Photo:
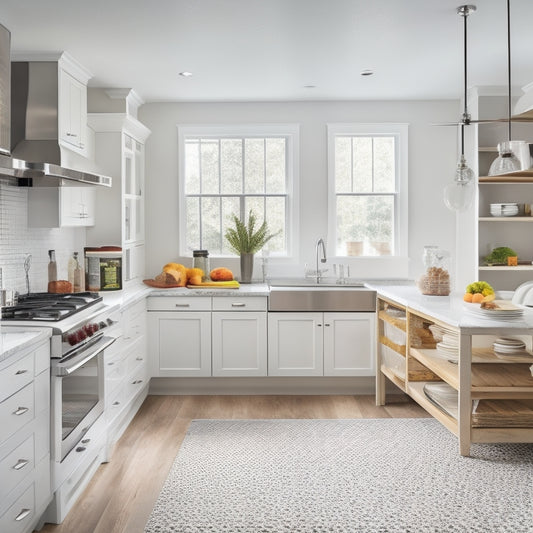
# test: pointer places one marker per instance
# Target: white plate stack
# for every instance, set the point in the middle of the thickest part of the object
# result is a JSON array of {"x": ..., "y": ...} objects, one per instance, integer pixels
[
  {"x": 509, "y": 346},
  {"x": 504, "y": 210},
  {"x": 449, "y": 346}
]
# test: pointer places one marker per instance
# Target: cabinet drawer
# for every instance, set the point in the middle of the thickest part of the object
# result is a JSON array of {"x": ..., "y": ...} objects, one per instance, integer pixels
[
  {"x": 16, "y": 376},
  {"x": 134, "y": 327},
  {"x": 136, "y": 355},
  {"x": 20, "y": 515},
  {"x": 135, "y": 383},
  {"x": 42, "y": 358},
  {"x": 16, "y": 411},
  {"x": 249, "y": 303},
  {"x": 15, "y": 466},
  {"x": 179, "y": 303},
  {"x": 134, "y": 310}
]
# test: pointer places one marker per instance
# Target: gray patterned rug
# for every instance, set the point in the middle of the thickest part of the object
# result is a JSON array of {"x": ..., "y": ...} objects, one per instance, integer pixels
[{"x": 331, "y": 476}]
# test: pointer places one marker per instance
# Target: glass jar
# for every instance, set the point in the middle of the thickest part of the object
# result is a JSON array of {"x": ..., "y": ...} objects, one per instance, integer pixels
[
  {"x": 436, "y": 281},
  {"x": 200, "y": 259}
]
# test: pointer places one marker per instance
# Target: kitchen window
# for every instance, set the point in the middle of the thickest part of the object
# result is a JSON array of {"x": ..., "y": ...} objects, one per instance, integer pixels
[
  {"x": 227, "y": 170},
  {"x": 367, "y": 175}
]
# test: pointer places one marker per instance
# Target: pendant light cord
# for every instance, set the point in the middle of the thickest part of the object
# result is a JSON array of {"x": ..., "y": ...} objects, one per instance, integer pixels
[
  {"x": 509, "y": 66},
  {"x": 465, "y": 73}
]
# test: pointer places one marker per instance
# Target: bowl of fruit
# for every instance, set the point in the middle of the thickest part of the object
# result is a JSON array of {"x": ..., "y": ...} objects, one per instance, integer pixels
[{"x": 478, "y": 292}]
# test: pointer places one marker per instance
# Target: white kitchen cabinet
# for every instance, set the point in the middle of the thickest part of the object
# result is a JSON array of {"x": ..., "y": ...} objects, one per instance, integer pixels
[
  {"x": 57, "y": 207},
  {"x": 72, "y": 111},
  {"x": 240, "y": 343},
  {"x": 180, "y": 343},
  {"x": 295, "y": 344},
  {"x": 119, "y": 146},
  {"x": 25, "y": 491},
  {"x": 349, "y": 344},
  {"x": 321, "y": 344}
]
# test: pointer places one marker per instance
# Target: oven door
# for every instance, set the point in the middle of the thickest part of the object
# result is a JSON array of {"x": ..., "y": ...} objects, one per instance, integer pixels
[{"x": 77, "y": 395}]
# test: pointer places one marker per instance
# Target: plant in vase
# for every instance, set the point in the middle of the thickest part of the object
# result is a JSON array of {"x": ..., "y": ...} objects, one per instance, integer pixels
[{"x": 246, "y": 239}]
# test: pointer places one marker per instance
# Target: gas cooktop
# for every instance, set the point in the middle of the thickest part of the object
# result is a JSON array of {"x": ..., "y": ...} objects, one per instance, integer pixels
[{"x": 49, "y": 307}]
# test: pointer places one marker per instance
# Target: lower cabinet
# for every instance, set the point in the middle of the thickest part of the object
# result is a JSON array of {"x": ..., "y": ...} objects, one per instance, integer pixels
[
  {"x": 239, "y": 343},
  {"x": 321, "y": 344}
]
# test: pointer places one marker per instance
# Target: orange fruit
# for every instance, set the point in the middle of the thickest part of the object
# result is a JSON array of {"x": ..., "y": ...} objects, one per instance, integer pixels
[
  {"x": 468, "y": 297},
  {"x": 477, "y": 298}
]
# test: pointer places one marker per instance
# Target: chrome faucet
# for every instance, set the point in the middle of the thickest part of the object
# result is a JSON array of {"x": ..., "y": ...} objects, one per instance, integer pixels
[{"x": 319, "y": 243}]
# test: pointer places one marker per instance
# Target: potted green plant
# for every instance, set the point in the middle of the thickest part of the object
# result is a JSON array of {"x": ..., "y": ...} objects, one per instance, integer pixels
[{"x": 246, "y": 239}]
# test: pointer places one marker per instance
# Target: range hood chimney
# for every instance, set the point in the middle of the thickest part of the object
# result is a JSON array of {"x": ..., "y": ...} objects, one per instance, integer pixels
[{"x": 30, "y": 149}]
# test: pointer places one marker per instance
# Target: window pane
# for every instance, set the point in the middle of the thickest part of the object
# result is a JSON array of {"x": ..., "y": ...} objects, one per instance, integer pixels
[
  {"x": 367, "y": 219},
  {"x": 211, "y": 235},
  {"x": 231, "y": 166},
  {"x": 193, "y": 223},
  {"x": 209, "y": 161},
  {"x": 362, "y": 164},
  {"x": 254, "y": 165},
  {"x": 275, "y": 208},
  {"x": 192, "y": 167},
  {"x": 230, "y": 206},
  {"x": 343, "y": 164},
  {"x": 258, "y": 207},
  {"x": 275, "y": 166},
  {"x": 384, "y": 164}
]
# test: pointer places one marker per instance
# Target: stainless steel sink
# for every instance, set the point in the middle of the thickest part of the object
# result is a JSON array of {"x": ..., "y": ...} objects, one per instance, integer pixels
[{"x": 321, "y": 298}]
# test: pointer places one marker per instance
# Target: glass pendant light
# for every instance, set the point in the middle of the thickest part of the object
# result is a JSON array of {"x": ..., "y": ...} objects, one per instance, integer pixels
[
  {"x": 459, "y": 194},
  {"x": 506, "y": 161}
]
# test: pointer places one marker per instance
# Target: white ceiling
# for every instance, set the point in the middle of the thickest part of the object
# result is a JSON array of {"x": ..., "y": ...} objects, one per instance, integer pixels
[{"x": 257, "y": 50}]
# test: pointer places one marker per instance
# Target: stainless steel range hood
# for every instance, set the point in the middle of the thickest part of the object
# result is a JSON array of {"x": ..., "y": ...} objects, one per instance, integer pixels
[{"x": 30, "y": 150}]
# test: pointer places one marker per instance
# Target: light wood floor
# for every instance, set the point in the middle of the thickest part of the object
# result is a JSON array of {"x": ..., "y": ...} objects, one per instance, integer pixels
[{"x": 121, "y": 495}]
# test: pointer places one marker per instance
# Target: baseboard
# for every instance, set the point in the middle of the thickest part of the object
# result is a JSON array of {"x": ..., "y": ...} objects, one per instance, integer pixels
[{"x": 263, "y": 385}]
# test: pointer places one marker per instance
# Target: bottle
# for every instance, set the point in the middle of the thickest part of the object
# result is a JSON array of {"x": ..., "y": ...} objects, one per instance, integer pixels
[
  {"x": 79, "y": 285},
  {"x": 74, "y": 272},
  {"x": 52, "y": 266}
]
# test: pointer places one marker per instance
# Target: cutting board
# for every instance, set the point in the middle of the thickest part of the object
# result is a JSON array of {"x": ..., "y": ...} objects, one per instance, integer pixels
[
  {"x": 154, "y": 283},
  {"x": 216, "y": 285}
]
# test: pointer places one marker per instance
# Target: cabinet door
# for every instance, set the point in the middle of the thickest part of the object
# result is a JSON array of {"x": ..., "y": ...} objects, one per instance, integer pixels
[
  {"x": 72, "y": 112},
  {"x": 295, "y": 344},
  {"x": 77, "y": 206},
  {"x": 181, "y": 343},
  {"x": 349, "y": 344},
  {"x": 239, "y": 344}
]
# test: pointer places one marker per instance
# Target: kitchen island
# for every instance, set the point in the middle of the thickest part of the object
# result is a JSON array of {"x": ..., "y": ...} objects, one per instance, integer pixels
[{"x": 494, "y": 392}]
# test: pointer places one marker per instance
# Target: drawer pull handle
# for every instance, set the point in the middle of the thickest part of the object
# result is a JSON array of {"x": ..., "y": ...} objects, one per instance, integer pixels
[
  {"x": 183, "y": 305},
  {"x": 137, "y": 381},
  {"x": 86, "y": 441},
  {"x": 319, "y": 325},
  {"x": 327, "y": 325},
  {"x": 116, "y": 403},
  {"x": 238, "y": 304},
  {"x": 22, "y": 515},
  {"x": 111, "y": 364},
  {"x": 19, "y": 372},
  {"x": 139, "y": 359},
  {"x": 21, "y": 463},
  {"x": 81, "y": 448},
  {"x": 21, "y": 411}
]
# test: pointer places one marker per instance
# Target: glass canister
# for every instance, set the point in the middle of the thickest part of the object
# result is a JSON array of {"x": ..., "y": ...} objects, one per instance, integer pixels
[
  {"x": 436, "y": 281},
  {"x": 200, "y": 259}
]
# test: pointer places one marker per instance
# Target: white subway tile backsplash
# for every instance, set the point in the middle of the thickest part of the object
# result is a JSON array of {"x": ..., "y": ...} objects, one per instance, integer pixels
[{"x": 17, "y": 241}]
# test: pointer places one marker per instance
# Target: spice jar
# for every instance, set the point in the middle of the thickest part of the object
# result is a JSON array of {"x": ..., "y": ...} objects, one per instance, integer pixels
[
  {"x": 436, "y": 280},
  {"x": 200, "y": 259}
]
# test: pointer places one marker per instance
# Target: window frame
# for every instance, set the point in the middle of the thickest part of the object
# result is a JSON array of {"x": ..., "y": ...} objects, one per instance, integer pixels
[
  {"x": 400, "y": 133},
  {"x": 218, "y": 131}
]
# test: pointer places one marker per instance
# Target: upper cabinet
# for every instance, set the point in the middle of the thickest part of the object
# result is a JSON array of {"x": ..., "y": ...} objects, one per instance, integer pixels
[
  {"x": 119, "y": 148},
  {"x": 72, "y": 109}
]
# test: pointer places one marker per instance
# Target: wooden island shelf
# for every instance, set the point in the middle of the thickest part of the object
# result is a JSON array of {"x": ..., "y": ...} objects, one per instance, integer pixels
[{"x": 494, "y": 392}]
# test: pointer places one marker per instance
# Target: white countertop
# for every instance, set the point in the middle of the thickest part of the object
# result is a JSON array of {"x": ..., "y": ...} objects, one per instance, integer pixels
[
  {"x": 15, "y": 339},
  {"x": 245, "y": 289},
  {"x": 449, "y": 309}
]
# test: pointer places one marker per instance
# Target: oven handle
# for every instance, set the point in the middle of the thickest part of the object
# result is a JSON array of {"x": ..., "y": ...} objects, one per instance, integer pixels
[{"x": 66, "y": 368}]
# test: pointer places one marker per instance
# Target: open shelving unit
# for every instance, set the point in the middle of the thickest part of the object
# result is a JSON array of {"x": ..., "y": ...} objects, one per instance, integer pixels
[{"x": 491, "y": 388}]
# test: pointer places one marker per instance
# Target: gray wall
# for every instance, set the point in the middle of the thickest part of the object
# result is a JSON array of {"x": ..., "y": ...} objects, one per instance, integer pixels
[{"x": 432, "y": 160}]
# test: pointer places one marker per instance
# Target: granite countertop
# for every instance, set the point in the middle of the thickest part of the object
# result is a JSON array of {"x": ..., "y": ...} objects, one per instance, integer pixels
[{"x": 16, "y": 339}]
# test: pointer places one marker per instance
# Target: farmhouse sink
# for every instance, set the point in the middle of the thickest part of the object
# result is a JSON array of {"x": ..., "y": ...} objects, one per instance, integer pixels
[
  {"x": 311, "y": 282},
  {"x": 321, "y": 297}
]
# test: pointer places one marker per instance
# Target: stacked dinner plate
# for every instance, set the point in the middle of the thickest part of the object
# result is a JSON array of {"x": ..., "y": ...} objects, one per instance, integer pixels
[
  {"x": 509, "y": 346},
  {"x": 448, "y": 347},
  {"x": 504, "y": 210},
  {"x": 503, "y": 310}
]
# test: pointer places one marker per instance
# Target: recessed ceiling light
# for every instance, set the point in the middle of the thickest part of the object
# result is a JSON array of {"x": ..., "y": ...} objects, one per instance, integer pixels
[
  {"x": 185, "y": 74},
  {"x": 309, "y": 86},
  {"x": 367, "y": 72}
]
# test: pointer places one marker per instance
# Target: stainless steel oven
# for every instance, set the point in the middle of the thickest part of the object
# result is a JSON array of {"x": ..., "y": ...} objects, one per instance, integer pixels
[{"x": 77, "y": 394}]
